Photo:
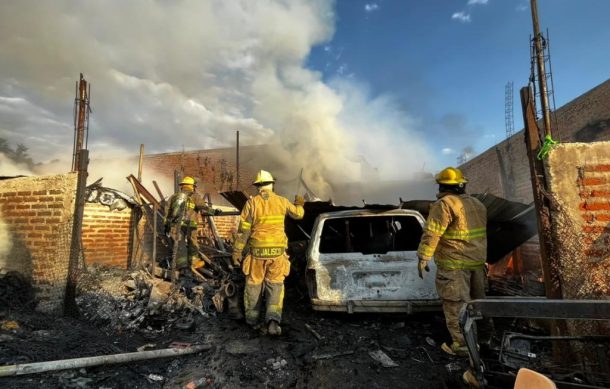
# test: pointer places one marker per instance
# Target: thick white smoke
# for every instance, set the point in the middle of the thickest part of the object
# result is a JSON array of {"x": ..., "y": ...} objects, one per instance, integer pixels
[{"x": 189, "y": 74}]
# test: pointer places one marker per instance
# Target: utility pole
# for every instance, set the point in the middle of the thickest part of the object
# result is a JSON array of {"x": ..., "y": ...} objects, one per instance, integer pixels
[
  {"x": 81, "y": 121},
  {"x": 550, "y": 265},
  {"x": 544, "y": 96}
]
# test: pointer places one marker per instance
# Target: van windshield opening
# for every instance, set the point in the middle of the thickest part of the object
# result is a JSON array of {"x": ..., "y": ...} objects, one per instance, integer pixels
[{"x": 370, "y": 234}]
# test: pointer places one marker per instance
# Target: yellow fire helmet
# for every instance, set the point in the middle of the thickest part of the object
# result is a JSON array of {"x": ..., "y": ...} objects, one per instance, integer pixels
[
  {"x": 263, "y": 177},
  {"x": 450, "y": 176},
  {"x": 188, "y": 181}
]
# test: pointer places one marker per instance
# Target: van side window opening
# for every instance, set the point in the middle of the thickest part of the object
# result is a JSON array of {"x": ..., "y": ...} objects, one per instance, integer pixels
[{"x": 370, "y": 234}]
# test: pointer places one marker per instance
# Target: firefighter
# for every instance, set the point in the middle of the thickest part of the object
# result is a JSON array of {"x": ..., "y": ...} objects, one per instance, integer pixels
[
  {"x": 455, "y": 234},
  {"x": 262, "y": 238},
  {"x": 181, "y": 222}
]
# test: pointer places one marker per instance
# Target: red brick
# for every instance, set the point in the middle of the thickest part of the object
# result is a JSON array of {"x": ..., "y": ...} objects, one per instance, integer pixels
[
  {"x": 23, "y": 206},
  {"x": 55, "y": 205},
  {"x": 42, "y": 228},
  {"x": 52, "y": 220},
  {"x": 6, "y": 207},
  {"x": 592, "y": 181},
  {"x": 44, "y": 213},
  {"x": 591, "y": 206},
  {"x": 46, "y": 198},
  {"x": 595, "y": 229},
  {"x": 597, "y": 168},
  {"x": 55, "y": 191},
  {"x": 9, "y": 194},
  {"x": 603, "y": 218},
  {"x": 24, "y": 193},
  {"x": 40, "y": 192}
]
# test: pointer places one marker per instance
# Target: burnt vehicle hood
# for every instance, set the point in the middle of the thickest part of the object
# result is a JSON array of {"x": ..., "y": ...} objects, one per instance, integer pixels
[{"x": 509, "y": 223}]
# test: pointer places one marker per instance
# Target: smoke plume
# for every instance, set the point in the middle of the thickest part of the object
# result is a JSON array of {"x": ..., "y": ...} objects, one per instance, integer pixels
[{"x": 189, "y": 74}]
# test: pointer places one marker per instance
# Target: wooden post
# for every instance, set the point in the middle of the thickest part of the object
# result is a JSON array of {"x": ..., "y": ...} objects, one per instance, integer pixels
[
  {"x": 140, "y": 162},
  {"x": 550, "y": 266},
  {"x": 237, "y": 163},
  {"x": 161, "y": 197},
  {"x": 154, "y": 242},
  {"x": 70, "y": 307}
]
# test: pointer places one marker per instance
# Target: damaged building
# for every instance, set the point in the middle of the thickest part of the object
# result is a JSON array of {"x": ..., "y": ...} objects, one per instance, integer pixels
[{"x": 122, "y": 286}]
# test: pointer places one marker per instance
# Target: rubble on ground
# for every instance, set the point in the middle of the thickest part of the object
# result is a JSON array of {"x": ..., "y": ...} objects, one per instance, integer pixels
[{"x": 124, "y": 300}]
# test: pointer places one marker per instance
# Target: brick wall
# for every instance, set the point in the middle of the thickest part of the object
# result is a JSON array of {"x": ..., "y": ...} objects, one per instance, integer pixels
[
  {"x": 106, "y": 235},
  {"x": 37, "y": 213}
]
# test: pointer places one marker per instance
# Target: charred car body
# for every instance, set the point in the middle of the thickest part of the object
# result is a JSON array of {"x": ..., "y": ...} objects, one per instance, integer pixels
[{"x": 363, "y": 259}]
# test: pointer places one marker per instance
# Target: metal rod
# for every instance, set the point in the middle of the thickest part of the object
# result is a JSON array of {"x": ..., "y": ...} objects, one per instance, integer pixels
[
  {"x": 77, "y": 363},
  {"x": 544, "y": 97}
]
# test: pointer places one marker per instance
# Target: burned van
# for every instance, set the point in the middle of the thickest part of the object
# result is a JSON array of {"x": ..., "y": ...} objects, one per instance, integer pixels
[{"x": 365, "y": 261}]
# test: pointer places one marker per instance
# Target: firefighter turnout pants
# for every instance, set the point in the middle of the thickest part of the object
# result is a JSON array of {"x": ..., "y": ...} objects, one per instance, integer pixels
[
  {"x": 455, "y": 288},
  {"x": 264, "y": 276},
  {"x": 188, "y": 247}
]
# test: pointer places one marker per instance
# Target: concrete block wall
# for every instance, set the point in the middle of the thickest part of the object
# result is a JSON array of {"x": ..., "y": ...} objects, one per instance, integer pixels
[
  {"x": 106, "y": 235},
  {"x": 37, "y": 214}
]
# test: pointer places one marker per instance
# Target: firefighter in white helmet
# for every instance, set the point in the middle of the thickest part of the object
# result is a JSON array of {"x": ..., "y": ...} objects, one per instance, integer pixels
[
  {"x": 181, "y": 222},
  {"x": 455, "y": 234},
  {"x": 262, "y": 238}
]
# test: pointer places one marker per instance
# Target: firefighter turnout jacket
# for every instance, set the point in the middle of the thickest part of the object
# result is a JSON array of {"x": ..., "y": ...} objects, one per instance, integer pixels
[
  {"x": 455, "y": 233},
  {"x": 261, "y": 225},
  {"x": 184, "y": 206}
]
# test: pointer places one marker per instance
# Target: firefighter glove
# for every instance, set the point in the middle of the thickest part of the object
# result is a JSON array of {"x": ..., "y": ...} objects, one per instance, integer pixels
[
  {"x": 217, "y": 212},
  {"x": 421, "y": 266},
  {"x": 236, "y": 258},
  {"x": 299, "y": 200}
]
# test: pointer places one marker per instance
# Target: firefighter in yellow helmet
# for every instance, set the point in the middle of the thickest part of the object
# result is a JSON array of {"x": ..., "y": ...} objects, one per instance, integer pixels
[
  {"x": 262, "y": 238},
  {"x": 181, "y": 222},
  {"x": 455, "y": 234}
]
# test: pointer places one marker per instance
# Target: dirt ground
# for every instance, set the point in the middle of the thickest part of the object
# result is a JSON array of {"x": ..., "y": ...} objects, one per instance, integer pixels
[{"x": 240, "y": 357}]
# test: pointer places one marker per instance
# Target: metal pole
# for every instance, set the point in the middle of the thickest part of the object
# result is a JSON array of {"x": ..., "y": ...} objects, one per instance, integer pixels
[
  {"x": 70, "y": 307},
  {"x": 76, "y": 363},
  {"x": 544, "y": 97},
  {"x": 237, "y": 163},
  {"x": 140, "y": 162}
]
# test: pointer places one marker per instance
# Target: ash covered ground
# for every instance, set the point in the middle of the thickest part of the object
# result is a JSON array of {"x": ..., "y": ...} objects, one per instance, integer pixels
[{"x": 345, "y": 356}]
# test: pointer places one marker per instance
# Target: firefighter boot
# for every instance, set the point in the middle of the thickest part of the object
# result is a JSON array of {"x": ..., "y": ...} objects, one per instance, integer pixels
[{"x": 274, "y": 328}]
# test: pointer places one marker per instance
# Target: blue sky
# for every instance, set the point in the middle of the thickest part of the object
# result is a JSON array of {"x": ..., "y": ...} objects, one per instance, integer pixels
[{"x": 446, "y": 63}]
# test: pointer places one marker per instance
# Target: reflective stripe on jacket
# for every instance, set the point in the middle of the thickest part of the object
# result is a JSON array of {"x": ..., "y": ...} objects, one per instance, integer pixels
[
  {"x": 455, "y": 233},
  {"x": 262, "y": 224}
]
